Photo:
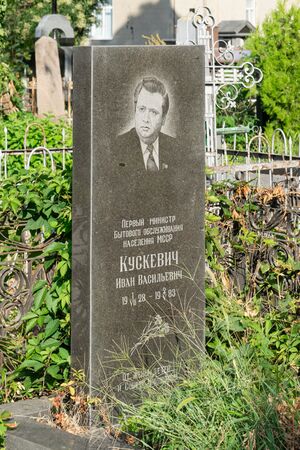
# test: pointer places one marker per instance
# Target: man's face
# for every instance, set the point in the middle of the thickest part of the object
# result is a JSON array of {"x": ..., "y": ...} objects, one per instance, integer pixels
[{"x": 149, "y": 116}]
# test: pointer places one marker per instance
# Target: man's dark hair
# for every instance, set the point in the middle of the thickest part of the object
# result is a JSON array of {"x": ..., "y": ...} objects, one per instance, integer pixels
[{"x": 153, "y": 85}]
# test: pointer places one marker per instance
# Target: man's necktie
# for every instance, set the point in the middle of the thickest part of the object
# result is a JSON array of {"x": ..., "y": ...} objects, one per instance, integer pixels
[{"x": 151, "y": 166}]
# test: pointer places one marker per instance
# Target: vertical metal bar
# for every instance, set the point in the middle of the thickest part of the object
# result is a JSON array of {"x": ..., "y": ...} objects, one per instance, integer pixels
[
  {"x": 25, "y": 148},
  {"x": 6, "y": 151},
  {"x": 45, "y": 145},
  {"x": 54, "y": 6},
  {"x": 246, "y": 146},
  {"x": 270, "y": 170},
  {"x": 225, "y": 151},
  {"x": 248, "y": 158},
  {"x": 33, "y": 96},
  {"x": 26, "y": 236},
  {"x": 64, "y": 148},
  {"x": 210, "y": 61},
  {"x": 69, "y": 86},
  {"x": 1, "y": 157},
  {"x": 286, "y": 147},
  {"x": 259, "y": 140},
  {"x": 291, "y": 154}
]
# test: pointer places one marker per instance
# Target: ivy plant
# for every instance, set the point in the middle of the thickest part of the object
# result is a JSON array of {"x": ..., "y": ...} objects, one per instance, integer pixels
[{"x": 39, "y": 201}]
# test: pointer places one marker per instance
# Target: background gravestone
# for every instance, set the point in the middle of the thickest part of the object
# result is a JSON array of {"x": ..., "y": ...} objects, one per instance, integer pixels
[
  {"x": 59, "y": 23},
  {"x": 138, "y": 258},
  {"x": 50, "y": 99}
]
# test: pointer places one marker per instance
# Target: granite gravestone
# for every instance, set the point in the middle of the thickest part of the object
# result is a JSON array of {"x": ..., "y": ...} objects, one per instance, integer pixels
[{"x": 138, "y": 205}]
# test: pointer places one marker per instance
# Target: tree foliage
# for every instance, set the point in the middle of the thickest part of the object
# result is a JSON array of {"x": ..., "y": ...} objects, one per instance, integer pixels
[
  {"x": 40, "y": 199},
  {"x": 19, "y": 18},
  {"x": 275, "y": 47}
]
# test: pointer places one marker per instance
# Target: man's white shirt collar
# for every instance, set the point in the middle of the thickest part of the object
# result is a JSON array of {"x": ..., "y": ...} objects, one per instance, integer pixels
[{"x": 146, "y": 152}]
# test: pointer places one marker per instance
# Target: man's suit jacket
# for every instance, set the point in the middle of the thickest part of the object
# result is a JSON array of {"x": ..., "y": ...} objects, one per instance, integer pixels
[{"x": 128, "y": 153}]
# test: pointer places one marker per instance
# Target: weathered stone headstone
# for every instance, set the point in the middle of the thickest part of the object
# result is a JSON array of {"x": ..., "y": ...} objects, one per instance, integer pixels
[
  {"x": 138, "y": 205},
  {"x": 58, "y": 22},
  {"x": 50, "y": 99}
]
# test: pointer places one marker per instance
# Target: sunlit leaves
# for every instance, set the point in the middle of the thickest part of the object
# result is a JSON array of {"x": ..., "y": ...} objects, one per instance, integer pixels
[
  {"x": 273, "y": 48},
  {"x": 40, "y": 201}
]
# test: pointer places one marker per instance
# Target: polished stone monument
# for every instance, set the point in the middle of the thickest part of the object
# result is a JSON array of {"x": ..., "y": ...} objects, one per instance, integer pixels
[{"x": 138, "y": 208}]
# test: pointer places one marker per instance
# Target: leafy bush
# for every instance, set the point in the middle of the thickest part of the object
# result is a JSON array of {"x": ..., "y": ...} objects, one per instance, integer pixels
[
  {"x": 16, "y": 125},
  {"x": 7, "y": 76},
  {"x": 273, "y": 48},
  {"x": 40, "y": 200},
  {"x": 252, "y": 240},
  {"x": 242, "y": 112},
  {"x": 271, "y": 338}
]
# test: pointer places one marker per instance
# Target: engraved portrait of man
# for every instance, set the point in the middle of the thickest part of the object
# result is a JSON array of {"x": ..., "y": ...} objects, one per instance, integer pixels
[{"x": 145, "y": 146}]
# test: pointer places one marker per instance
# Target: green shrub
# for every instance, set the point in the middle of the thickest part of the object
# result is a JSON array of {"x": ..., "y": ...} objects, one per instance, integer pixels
[
  {"x": 274, "y": 47},
  {"x": 40, "y": 200},
  {"x": 17, "y": 123},
  {"x": 252, "y": 239},
  {"x": 7, "y": 76}
]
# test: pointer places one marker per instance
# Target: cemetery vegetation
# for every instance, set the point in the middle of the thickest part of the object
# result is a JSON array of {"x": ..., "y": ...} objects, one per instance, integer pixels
[
  {"x": 19, "y": 18},
  {"x": 238, "y": 400},
  {"x": 274, "y": 48},
  {"x": 242, "y": 112},
  {"x": 40, "y": 131},
  {"x": 10, "y": 85},
  {"x": 36, "y": 356},
  {"x": 274, "y": 102},
  {"x": 243, "y": 394}
]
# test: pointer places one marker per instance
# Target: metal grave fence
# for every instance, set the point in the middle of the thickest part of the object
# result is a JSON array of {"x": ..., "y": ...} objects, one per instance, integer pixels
[
  {"x": 224, "y": 81},
  {"x": 242, "y": 153}
]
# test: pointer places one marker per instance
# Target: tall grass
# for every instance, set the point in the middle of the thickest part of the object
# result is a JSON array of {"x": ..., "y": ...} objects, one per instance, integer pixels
[
  {"x": 222, "y": 406},
  {"x": 234, "y": 397}
]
